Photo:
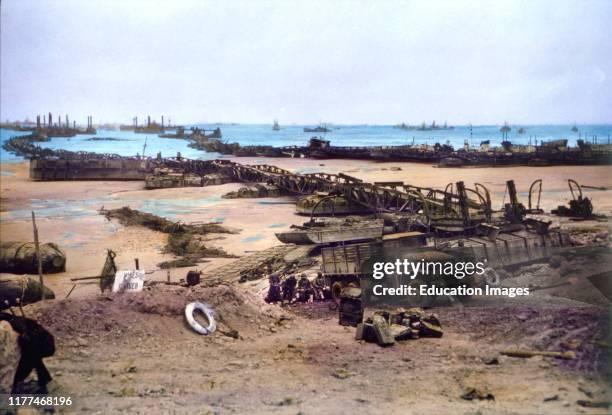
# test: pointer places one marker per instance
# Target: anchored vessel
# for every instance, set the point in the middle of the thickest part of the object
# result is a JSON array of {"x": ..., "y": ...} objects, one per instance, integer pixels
[
  {"x": 47, "y": 128},
  {"x": 555, "y": 152},
  {"x": 321, "y": 128}
]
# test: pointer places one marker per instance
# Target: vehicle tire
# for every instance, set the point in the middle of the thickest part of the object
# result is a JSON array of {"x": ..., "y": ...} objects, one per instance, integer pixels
[{"x": 208, "y": 312}]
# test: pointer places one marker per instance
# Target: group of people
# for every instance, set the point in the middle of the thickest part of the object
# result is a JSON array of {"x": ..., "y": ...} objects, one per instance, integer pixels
[{"x": 287, "y": 288}]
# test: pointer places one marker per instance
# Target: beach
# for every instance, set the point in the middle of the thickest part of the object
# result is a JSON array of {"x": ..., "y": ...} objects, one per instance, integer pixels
[
  {"x": 305, "y": 207},
  {"x": 67, "y": 211},
  {"x": 278, "y": 358}
]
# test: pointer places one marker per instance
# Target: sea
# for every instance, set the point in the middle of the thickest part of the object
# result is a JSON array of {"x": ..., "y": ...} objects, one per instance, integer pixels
[{"x": 128, "y": 143}]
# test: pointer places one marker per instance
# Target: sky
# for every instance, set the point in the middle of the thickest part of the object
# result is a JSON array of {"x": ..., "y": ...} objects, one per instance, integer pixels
[{"x": 345, "y": 62}]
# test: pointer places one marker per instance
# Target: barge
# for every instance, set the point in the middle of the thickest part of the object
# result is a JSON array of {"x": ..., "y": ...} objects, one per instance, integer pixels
[{"x": 89, "y": 168}]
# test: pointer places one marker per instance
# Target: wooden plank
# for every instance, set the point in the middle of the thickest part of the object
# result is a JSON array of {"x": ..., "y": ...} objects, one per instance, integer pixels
[{"x": 39, "y": 259}]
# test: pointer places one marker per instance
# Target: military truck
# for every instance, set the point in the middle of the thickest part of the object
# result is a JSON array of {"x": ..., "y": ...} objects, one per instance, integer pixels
[{"x": 344, "y": 265}]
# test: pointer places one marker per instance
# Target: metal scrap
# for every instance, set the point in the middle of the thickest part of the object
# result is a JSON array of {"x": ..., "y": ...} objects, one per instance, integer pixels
[{"x": 385, "y": 328}]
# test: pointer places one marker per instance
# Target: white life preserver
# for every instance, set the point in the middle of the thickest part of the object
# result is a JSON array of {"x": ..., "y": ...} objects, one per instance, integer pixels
[{"x": 208, "y": 312}]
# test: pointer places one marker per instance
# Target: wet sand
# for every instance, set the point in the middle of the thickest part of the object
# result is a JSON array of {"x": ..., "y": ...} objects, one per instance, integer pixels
[
  {"x": 68, "y": 211},
  {"x": 283, "y": 361}
]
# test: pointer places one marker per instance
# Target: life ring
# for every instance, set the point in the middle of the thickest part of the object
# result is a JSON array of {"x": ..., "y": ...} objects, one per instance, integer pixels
[{"x": 208, "y": 312}]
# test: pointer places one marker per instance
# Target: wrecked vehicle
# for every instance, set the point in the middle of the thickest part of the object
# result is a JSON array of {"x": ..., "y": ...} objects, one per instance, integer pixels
[
  {"x": 333, "y": 232},
  {"x": 325, "y": 205},
  {"x": 255, "y": 191},
  {"x": 345, "y": 265},
  {"x": 579, "y": 206}
]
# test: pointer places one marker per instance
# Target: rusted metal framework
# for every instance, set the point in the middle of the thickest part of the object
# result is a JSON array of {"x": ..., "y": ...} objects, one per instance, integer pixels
[{"x": 393, "y": 197}]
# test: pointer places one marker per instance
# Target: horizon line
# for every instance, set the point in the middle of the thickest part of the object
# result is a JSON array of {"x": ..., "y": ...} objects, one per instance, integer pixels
[{"x": 301, "y": 124}]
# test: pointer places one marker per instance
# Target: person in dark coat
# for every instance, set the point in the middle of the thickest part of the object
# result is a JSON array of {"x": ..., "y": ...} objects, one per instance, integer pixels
[
  {"x": 289, "y": 288},
  {"x": 304, "y": 289},
  {"x": 35, "y": 343},
  {"x": 318, "y": 287},
  {"x": 274, "y": 290}
]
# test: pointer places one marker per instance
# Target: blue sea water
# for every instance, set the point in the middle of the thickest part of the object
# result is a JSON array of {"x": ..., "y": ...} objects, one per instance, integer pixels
[
  {"x": 172, "y": 209},
  {"x": 293, "y": 135},
  {"x": 130, "y": 145}
]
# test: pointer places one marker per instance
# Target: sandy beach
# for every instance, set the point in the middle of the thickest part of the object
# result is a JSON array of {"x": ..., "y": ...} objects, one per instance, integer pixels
[
  {"x": 307, "y": 362},
  {"x": 472, "y": 277},
  {"x": 68, "y": 211}
]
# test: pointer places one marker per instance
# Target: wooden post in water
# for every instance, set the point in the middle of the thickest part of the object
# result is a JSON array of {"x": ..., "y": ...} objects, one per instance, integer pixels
[{"x": 38, "y": 258}]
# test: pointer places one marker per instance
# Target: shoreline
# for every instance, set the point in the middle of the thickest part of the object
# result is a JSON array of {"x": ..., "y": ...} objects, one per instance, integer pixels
[{"x": 67, "y": 210}]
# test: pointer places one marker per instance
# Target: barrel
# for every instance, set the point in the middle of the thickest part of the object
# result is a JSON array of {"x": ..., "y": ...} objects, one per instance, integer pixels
[
  {"x": 20, "y": 258},
  {"x": 16, "y": 290}
]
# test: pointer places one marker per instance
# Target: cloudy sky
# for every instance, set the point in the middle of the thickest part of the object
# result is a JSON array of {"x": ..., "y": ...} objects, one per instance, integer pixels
[{"x": 482, "y": 62}]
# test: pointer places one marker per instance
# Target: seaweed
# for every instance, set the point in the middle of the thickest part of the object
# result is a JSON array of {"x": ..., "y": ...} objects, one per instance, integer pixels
[
  {"x": 184, "y": 240},
  {"x": 177, "y": 263}
]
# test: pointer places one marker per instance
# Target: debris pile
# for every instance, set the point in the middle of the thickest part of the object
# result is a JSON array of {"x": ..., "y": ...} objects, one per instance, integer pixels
[
  {"x": 581, "y": 207},
  {"x": 385, "y": 328},
  {"x": 526, "y": 354},
  {"x": 472, "y": 393},
  {"x": 165, "y": 177},
  {"x": 323, "y": 205},
  {"x": 258, "y": 190},
  {"x": 184, "y": 240},
  {"x": 589, "y": 235},
  {"x": 583, "y": 331},
  {"x": 276, "y": 259},
  {"x": 261, "y": 269},
  {"x": 190, "y": 248},
  {"x": 213, "y": 146},
  {"x": 121, "y": 315}
]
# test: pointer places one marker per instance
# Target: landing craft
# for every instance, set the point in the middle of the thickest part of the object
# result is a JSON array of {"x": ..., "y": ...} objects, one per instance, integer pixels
[{"x": 342, "y": 232}]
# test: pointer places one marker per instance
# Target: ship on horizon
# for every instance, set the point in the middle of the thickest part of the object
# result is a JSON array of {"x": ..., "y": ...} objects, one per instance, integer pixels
[
  {"x": 424, "y": 126},
  {"x": 321, "y": 128}
]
